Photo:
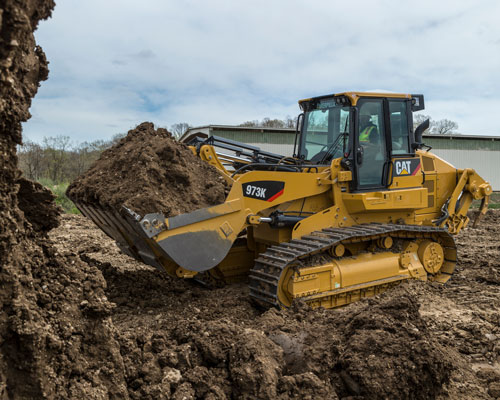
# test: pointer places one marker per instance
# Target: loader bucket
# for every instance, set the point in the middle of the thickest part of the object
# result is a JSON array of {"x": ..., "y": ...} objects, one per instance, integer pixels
[
  {"x": 123, "y": 229},
  {"x": 196, "y": 241}
]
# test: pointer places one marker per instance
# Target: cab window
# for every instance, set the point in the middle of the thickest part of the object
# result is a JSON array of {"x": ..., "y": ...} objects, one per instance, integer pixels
[
  {"x": 399, "y": 127},
  {"x": 325, "y": 132},
  {"x": 371, "y": 152}
]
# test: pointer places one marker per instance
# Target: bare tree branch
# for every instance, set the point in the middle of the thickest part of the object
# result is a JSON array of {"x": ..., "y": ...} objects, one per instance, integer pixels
[
  {"x": 179, "y": 129},
  {"x": 444, "y": 126},
  {"x": 440, "y": 127}
]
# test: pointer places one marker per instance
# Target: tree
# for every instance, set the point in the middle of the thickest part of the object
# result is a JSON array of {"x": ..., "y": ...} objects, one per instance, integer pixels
[
  {"x": 418, "y": 119},
  {"x": 288, "y": 122},
  {"x": 31, "y": 159},
  {"x": 56, "y": 151},
  {"x": 444, "y": 126},
  {"x": 83, "y": 156},
  {"x": 273, "y": 123},
  {"x": 440, "y": 127},
  {"x": 115, "y": 139},
  {"x": 251, "y": 124},
  {"x": 59, "y": 160},
  {"x": 179, "y": 129}
]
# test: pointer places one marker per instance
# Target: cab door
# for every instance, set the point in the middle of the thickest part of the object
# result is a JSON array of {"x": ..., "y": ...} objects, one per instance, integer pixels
[
  {"x": 406, "y": 167},
  {"x": 372, "y": 155},
  {"x": 387, "y": 171}
]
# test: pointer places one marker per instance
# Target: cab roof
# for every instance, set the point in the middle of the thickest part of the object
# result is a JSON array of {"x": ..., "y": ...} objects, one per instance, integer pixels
[{"x": 354, "y": 96}]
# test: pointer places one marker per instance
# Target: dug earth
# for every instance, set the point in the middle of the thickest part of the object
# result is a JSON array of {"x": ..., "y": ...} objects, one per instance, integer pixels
[{"x": 179, "y": 340}]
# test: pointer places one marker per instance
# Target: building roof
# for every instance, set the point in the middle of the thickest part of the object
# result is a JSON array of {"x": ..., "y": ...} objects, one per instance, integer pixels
[
  {"x": 459, "y": 136},
  {"x": 243, "y": 128},
  {"x": 207, "y": 128}
]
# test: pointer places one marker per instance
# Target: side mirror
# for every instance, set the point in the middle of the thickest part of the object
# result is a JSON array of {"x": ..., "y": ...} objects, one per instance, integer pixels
[
  {"x": 418, "y": 134},
  {"x": 417, "y": 102},
  {"x": 299, "y": 122},
  {"x": 298, "y": 130}
]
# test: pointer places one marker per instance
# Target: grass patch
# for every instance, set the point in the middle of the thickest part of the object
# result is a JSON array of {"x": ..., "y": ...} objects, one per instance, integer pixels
[
  {"x": 494, "y": 202},
  {"x": 59, "y": 189}
]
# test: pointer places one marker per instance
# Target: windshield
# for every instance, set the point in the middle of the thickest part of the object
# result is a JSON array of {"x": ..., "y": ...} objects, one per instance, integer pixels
[{"x": 325, "y": 132}]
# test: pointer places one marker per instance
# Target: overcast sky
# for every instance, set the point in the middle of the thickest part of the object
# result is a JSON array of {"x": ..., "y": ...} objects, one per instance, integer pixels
[{"x": 114, "y": 64}]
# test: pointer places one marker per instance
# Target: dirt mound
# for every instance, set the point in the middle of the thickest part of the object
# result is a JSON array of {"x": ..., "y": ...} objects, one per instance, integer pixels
[
  {"x": 37, "y": 204},
  {"x": 59, "y": 341},
  {"x": 388, "y": 351},
  {"x": 56, "y": 337},
  {"x": 149, "y": 171},
  {"x": 379, "y": 348},
  {"x": 18, "y": 54}
]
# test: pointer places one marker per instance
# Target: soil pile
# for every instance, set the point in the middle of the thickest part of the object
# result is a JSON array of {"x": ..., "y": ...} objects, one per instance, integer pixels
[
  {"x": 149, "y": 171},
  {"x": 380, "y": 348},
  {"x": 56, "y": 336},
  {"x": 37, "y": 204}
]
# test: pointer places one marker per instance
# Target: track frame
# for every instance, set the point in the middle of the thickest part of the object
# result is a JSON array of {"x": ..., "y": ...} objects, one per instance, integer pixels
[{"x": 282, "y": 265}]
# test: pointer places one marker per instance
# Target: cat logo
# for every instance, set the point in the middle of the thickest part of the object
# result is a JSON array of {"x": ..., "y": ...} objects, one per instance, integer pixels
[
  {"x": 408, "y": 167},
  {"x": 403, "y": 167}
]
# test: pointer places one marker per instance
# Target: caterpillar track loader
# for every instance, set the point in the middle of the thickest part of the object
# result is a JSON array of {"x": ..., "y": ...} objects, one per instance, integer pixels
[{"x": 361, "y": 206}]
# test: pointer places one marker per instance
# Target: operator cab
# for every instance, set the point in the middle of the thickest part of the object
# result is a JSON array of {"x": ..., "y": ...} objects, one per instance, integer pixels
[{"x": 367, "y": 130}]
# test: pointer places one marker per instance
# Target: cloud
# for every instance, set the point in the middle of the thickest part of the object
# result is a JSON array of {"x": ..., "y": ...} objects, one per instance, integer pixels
[{"x": 116, "y": 63}]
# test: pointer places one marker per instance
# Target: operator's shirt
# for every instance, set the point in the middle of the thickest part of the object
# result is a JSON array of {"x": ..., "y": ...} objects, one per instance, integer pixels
[{"x": 364, "y": 136}]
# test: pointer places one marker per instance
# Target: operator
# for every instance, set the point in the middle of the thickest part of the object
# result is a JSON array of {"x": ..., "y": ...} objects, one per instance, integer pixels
[
  {"x": 369, "y": 142},
  {"x": 368, "y": 130}
]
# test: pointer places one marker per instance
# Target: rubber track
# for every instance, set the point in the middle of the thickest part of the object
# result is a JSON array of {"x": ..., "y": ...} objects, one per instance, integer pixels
[{"x": 266, "y": 273}]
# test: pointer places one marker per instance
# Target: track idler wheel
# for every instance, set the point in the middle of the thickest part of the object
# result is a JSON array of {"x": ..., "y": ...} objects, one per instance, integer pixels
[{"x": 431, "y": 255}]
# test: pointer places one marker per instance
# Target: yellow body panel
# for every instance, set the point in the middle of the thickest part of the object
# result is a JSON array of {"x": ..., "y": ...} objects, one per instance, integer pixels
[{"x": 409, "y": 199}]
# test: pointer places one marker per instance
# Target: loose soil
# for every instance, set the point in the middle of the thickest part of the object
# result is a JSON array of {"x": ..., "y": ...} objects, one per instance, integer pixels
[
  {"x": 149, "y": 171},
  {"x": 55, "y": 326},
  {"x": 419, "y": 340},
  {"x": 37, "y": 204}
]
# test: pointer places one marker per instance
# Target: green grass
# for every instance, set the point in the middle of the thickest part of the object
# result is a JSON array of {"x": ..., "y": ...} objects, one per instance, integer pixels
[
  {"x": 494, "y": 202},
  {"x": 59, "y": 189}
]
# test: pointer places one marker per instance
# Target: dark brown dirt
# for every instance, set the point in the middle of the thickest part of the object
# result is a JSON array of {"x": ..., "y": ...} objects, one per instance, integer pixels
[
  {"x": 56, "y": 337},
  {"x": 166, "y": 176},
  {"x": 37, "y": 204},
  {"x": 419, "y": 340}
]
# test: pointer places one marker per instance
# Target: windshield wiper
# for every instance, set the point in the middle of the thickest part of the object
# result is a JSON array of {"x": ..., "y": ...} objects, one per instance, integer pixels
[{"x": 334, "y": 147}]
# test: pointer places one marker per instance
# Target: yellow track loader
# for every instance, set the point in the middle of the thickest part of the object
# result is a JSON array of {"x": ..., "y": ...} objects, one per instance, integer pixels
[{"x": 361, "y": 206}]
